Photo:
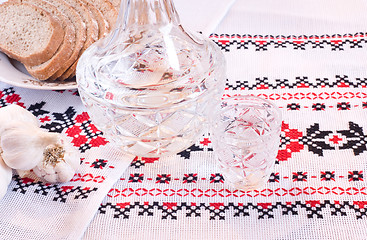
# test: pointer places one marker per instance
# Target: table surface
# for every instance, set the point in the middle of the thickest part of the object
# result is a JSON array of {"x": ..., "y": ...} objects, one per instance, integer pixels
[{"x": 308, "y": 57}]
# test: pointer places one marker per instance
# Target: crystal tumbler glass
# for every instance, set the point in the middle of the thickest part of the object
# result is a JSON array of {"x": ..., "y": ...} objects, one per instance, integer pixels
[{"x": 246, "y": 138}]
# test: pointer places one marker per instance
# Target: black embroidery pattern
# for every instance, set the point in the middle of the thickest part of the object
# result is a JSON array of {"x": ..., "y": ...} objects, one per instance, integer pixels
[
  {"x": 194, "y": 148},
  {"x": 61, "y": 193},
  {"x": 300, "y": 82},
  {"x": 62, "y": 121},
  {"x": 220, "y": 211},
  {"x": 335, "y": 42}
]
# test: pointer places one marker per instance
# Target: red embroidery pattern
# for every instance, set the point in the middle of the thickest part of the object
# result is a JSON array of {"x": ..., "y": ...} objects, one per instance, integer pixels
[
  {"x": 290, "y": 142},
  {"x": 300, "y": 82},
  {"x": 8, "y": 96},
  {"x": 225, "y": 193},
  {"x": 59, "y": 193},
  {"x": 306, "y": 95},
  {"x": 215, "y": 178},
  {"x": 85, "y": 134},
  {"x": 88, "y": 177},
  {"x": 340, "y": 106},
  {"x": 302, "y": 42}
]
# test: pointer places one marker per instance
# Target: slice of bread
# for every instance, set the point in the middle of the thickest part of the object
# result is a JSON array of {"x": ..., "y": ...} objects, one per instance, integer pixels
[
  {"x": 103, "y": 26},
  {"x": 110, "y": 15},
  {"x": 92, "y": 33},
  {"x": 28, "y": 33},
  {"x": 108, "y": 10},
  {"x": 116, "y": 4},
  {"x": 103, "y": 30},
  {"x": 80, "y": 37},
  {"x": 90, "y": 22},
  {"x": 48, "y": 68}
]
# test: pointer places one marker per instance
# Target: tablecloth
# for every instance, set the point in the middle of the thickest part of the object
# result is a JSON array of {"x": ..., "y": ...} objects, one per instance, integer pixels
[{"x": 309, "y": 58}]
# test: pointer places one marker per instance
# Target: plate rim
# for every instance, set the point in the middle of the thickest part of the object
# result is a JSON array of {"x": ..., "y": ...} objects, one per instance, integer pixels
[{"x": 11, "y": 75}]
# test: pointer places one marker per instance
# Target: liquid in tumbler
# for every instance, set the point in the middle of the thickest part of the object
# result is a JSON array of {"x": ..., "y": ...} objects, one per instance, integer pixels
[{"x": 246, "y": 140}]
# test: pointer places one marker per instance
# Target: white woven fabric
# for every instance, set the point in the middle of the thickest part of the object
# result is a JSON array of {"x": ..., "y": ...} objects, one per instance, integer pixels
[
  {"x": 284, "y": 51},
  {"x": 309, "y": 58},
  {"x": 204, "y": 15}
]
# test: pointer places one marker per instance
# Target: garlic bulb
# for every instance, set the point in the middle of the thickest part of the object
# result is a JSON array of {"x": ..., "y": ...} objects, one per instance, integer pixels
[
  {"x": 23, "y": 145},
  {"x": 59, "y": 162},
  {"x": 12, "y": 113},
  {"x": 26, "y": 147},
  {"x": 5, "y": 178}
]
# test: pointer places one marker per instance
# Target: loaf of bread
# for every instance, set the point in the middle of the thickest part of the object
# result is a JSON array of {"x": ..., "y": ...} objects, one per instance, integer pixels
[
  {"x": 116, "y": 4},
  {"x": 48, "y": 68},
  {"x": 49, "y": 36},
  {"x": 81, "y": 35},
  {"x": 28, "y": 33},
  {"x": 108, "y": 10},
  {"x": 103, "y": 26}
]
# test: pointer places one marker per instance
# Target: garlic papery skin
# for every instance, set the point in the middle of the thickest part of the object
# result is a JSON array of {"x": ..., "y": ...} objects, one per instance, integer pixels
[
  {"x": 14, "y": 113},
  {"x": 23, "y": 144},
  {"x": 59, "y": 163},
  {"x": 5, "y": 177}
]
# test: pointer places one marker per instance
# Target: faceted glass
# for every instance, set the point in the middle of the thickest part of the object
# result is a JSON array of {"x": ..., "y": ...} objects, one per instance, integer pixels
[
  {"x": 246, "y": 138},
  {"x": 151, "y": 86}
]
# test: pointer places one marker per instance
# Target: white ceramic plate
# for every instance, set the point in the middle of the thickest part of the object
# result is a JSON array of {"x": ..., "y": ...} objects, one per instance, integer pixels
[{"x": 14, "y": 73}]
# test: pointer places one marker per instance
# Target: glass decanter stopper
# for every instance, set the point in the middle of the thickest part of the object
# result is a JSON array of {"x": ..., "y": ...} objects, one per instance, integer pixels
[{"x": 150, "y": 86}]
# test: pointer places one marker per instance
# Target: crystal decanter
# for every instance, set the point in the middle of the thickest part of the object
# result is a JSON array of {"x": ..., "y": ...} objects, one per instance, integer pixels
[{"x": 151, "y": 86}]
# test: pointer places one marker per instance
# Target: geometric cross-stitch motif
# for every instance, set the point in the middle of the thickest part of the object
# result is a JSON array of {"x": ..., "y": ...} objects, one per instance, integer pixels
[
  {"x": 59, "y": 193},
  {"x": 220, "y": 211},
  {"x": 335, "y": 42},
  {"x": 299, "y": 82},
  {"x": 8, "y": 96}
]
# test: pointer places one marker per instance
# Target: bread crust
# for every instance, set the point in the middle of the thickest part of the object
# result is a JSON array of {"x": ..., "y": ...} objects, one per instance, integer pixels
[
  {"x": 48, "y": 68},
  {"x": 116, "y": 4},
  {"x": 109, "y": 13},
  {"x": 81, "y": 22},
  {"x": 48, "y": 51},
  {"x": 80, "y": 37},
  {"x": 92, "y": 33},
  {"x": 103, "y": 30},
  {"x": 108, "y": 10},
  {"x": 103, "y": 26}
]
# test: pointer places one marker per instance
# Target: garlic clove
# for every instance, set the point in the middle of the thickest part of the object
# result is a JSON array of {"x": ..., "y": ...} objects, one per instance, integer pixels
[
  {"x": 23, "y": 144},
  {"x": 65, "y": 172},
  {"x": 71, "y": 154},
  {"x": 12, "y": 113},
  {"x": 52, "y": 178},
  {"x": 59, "y": 163},
  {"x": 48, "y": 168},
  {"x": 5, "y": 177}
]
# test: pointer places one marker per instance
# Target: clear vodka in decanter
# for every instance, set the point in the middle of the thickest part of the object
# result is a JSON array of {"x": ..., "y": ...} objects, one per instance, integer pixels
[{"x": 151, "y": 86}]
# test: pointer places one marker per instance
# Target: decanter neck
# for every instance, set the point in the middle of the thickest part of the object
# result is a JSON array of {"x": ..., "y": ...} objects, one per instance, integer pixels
[{"x": 147, "y": 12}]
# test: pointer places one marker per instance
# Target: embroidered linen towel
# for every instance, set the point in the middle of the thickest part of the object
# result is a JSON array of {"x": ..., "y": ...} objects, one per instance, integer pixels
[
  {"x": 32, "y": 209},
  {"x": 308, "y": 57}
]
